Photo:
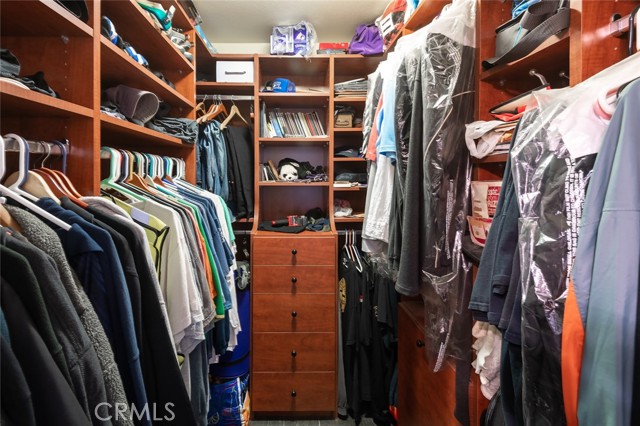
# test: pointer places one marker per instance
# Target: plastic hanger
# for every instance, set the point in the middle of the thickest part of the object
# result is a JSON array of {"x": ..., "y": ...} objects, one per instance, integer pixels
[
  {"x": 115, "y": 166},
  {"x": 354, "y": 247},
  {"x": 21, "y": 178},
  {"x": 9, "y": 193},
  {"x": 34, "y": 184}
]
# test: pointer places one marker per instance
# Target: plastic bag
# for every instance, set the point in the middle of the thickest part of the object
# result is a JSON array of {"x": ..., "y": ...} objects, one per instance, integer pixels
[
  {"x": 229, "y": 403},
  {"x": 297, "y": 40}
]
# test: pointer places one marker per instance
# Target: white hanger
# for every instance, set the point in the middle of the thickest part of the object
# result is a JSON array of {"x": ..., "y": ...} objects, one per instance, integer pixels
[
  {"x": 9, "y": 193},
  {"x": 23, "y": 169}
]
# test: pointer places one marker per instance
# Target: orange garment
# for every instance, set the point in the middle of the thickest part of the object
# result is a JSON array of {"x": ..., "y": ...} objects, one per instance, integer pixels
[
  {"x": 373, "y": 136},
  {"x": 571, "y": 356}
]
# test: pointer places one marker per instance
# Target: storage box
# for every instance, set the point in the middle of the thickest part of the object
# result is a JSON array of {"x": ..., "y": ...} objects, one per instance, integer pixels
[
  {"x": 234, "y": 72},
  {"x": 484, "y": 197},
  {"x": 479, "y": 229}
]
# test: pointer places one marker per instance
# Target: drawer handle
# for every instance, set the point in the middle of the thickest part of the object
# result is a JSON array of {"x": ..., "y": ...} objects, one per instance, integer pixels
[
  {"x": 293, "y": 393},
  {"x": 294, "y": 314},
  {"x": 419, "y": 343},
  {"x": 294, "y": 280},
  {"x": 294, "y": 252},
  {"x": 294, "y": 353}
]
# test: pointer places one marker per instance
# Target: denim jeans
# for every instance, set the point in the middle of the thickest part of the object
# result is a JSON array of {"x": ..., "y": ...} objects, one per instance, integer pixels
[{"x": 212, "y": 163}]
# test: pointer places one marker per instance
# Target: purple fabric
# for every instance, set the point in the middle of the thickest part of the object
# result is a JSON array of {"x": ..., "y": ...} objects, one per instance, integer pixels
[{"x": 367, "y": 40}]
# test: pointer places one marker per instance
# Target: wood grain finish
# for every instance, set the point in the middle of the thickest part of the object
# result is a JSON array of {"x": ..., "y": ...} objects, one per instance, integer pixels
[
  {"x": 293, "y": 279},
  {"x": 427, "y": 398},
  {"x": 274, "y": 392},
  {"x": 280, "y": 251},
  {"x": 315, "y": 313},
  {"x": 294, "y": 352}
]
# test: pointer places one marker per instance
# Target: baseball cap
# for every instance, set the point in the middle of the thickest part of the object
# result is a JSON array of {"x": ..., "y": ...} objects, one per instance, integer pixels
[{"x": 280, "y": 85}]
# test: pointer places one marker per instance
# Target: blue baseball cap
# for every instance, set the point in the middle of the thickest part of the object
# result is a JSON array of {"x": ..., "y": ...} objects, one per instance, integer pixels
[{"x": 280, "y": 85}]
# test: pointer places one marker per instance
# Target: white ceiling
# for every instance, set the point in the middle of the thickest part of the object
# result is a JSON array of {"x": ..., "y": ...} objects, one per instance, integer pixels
[{"x": 250, "y": 21}]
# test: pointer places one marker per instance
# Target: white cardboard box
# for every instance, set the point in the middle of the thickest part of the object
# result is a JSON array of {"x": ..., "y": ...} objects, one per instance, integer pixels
[{"x": 234, "y": 71}]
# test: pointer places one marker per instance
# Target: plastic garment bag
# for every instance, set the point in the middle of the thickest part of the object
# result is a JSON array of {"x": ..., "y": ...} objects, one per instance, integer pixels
[
  {"x": 551, "y": 187},
  {"x": 552, "y": 161},
  {"x": 438, "y": 174}
]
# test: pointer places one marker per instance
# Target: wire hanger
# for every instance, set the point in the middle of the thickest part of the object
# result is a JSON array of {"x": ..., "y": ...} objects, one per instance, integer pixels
[{"x": 9, "y": 193}]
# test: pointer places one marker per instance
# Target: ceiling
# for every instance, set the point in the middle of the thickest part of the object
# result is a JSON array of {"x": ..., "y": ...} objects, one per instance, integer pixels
[{"x": 250, "y": 21}]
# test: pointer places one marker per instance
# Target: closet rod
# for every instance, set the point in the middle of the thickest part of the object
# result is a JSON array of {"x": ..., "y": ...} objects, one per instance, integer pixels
[
  {"x": 346, "y": 231},
  {"x": 621, "y": 24},
  {"x": 242, "y": 231},
  {"x": 225, "y": 97},
  {"x": 37, "y": 147}
]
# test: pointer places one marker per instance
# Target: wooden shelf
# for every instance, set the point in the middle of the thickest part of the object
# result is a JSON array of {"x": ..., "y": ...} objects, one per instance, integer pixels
[
  {"x": 212, "y": 88},
  {"x": 349, "y": 189},
  {"x": 244, "y": 220},
  {"x": 496, "y": 158},
  {"x": 41, "y": 18},
  {"x": 296, "y": 100},
  {"x": 348, "y": 219},
  {"x": 293, "y": 184},
  {"x": 16, "y": 101},
  {"x": 117, "y": 67},
  {"x": 347, "y": 129},
  {"x": 135, "y": 26},
  {"x": 548, "y": 59},
  {"x": 114, "y": 127},
  {"x": 349, "y": 99},
  {"x": 180, "y": 17},
  {"x": 424, "y": 14},
  {"x": 275, "y": 234},
  {"x": 349, "y": 159},
  {"x": 294, "y": 141},
  {"x": 293, "y": 65}
]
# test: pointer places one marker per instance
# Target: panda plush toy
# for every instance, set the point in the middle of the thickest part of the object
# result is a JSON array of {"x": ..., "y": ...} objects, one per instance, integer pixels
[{"x": 288, "y": 169}]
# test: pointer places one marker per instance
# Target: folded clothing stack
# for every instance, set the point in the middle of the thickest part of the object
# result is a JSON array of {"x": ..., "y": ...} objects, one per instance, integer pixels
[
  {"x": 10, "y": 73},
  {"x": 489, "y": 137}
]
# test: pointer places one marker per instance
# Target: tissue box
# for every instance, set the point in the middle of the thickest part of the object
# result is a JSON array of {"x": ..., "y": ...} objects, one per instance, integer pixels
[{"x": 234, "y": 71}]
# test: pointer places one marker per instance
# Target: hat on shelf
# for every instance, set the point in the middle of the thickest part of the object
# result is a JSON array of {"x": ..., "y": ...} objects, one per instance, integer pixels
[
  {"x": 137, "y": 105},
  {"x": 77, "y": 7},
  {"x": 279, "y": 85},
  {"x": 346, "y": 152}
]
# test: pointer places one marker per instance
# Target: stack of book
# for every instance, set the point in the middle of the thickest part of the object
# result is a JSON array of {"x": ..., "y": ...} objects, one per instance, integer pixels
[
  {"x": 293, "y": 125},
  {"x": 269, "y": 172}
]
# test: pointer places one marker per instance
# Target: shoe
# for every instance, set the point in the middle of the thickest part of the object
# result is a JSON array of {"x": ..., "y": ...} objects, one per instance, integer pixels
[
  {"x": 135, "y": 55},
  {"x": 164, "y": 17},
  {"x": 108, "y": 30}
]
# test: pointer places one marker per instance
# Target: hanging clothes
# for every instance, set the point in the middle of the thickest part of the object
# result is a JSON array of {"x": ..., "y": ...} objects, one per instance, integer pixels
[{"x": 602, "y": 305}]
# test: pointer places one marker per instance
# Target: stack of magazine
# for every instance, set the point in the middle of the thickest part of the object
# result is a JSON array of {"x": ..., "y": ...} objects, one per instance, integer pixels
[
  {"x": 293, "y": 125},
  {"x": 357, "y": 87}
]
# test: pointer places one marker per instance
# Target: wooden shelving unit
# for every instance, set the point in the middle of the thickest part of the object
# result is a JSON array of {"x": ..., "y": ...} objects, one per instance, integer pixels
[
  {"x": 347, "y": 129},
  {"x": 44, "y": 18},
  {"x": 349, "y": 160},
  {"x": 17, "y": 101},
  {"x": 496, "y": 158},
  {"x": 113, "y": 129},
  {"x": 79, "y": 64},
  {"x": 120, "y": 68},
  {"x": 293, "y": 184},
  {"x": 349, "y": 189},
  {"x": 294, "y": 141},
  {"x": 213, "y": 88},
  {"x": 351, "y": 220}
]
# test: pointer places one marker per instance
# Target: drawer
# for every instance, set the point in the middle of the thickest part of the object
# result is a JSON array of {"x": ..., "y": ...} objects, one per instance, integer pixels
[
  {"x": 294, "y": 279},
  {"x": 294, "y": 251},
  {"x": 293, "y": 392},
  {"x": 294, "y": 312},
  {"x": 291, "y": 352}
]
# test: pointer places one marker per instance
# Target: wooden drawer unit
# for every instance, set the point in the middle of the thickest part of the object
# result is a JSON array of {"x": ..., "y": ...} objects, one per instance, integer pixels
[
  {"x": 293, "y": 392},
  {"x": 294, "y": 279},
  {"x": 294, "y": 313},
  {"x": 294, "y": 352},
  {"x": 294, "y": 251}
]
